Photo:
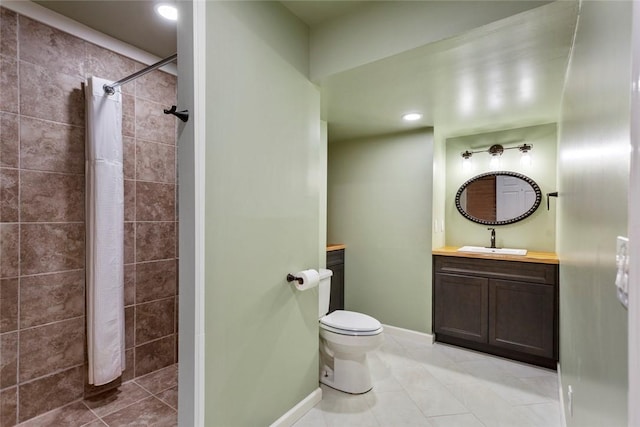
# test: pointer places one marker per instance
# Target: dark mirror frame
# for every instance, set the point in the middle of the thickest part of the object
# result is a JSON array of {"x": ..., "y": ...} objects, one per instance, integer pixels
[{"x": 525, "y": 178}]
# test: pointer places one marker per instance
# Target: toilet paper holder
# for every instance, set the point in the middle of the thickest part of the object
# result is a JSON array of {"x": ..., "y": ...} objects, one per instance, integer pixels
[{"x": 291, "y": 278}]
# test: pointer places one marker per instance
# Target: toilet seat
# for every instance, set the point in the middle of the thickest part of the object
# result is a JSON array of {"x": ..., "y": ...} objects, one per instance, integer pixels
[{"x": 345, "y": 322}]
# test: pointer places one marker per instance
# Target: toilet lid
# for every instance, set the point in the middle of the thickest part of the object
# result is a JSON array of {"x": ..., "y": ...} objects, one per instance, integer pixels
[{"x": 350, "y": 321}]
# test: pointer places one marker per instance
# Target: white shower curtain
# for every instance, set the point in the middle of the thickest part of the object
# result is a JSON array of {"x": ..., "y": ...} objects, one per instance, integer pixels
[{"x": 104, "y": 233}]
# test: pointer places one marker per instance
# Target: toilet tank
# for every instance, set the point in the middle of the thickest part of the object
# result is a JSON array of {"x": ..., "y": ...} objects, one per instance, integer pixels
[{"x": 324, "y": 291}]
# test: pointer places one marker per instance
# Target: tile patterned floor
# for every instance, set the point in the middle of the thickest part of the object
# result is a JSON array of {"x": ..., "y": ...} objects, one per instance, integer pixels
[
  {"x": 442, "y": 386},
  {"x": 414, "y": 385},
  {"x": 151, "y": 400}
]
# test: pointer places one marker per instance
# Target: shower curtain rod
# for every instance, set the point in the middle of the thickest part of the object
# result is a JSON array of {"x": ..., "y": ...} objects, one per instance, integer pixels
[{"x": 110, "y": 89}]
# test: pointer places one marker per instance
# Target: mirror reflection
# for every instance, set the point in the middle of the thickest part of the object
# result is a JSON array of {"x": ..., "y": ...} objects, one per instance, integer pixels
[{"x": 498, "y": 198}]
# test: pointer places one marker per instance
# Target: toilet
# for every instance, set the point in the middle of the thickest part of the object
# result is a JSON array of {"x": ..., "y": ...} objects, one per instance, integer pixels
[{"x": 345, "y": 339}]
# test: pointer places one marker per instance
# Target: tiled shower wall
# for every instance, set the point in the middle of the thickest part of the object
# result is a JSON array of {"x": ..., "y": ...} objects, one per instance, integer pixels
[{"x": 42, "y": 231}]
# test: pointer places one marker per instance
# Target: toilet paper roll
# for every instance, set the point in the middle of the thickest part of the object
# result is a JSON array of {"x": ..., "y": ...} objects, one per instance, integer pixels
[{"x": 310, "y": 279}]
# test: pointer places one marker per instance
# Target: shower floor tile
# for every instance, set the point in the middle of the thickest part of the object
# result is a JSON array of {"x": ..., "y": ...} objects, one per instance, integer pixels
[{"x": 151, "y": 400}]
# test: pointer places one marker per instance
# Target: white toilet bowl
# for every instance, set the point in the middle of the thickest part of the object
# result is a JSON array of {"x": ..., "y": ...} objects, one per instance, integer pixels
[{"x": 345, "y": 339}]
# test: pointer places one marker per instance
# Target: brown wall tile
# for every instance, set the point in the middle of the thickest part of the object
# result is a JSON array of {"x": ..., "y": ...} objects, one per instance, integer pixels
[
  {"x": 129, "y": 200},
  {"x": 9, "y": 190},
  {"x": 128, "y": 104},
  {"x": 8, "y": 305},
  {"x": 155, "y": 280},
  {"x": 129, "y": 365},
  {"x": 9, "y": 84},
  {"x": 129, "y": 284},
  {"x": 128, "y": 125},
  {"x": 8, "y": 360},
  {"x": 155, "y": 241},
  {"x": 155, "y": 162},
  {"x": 9, "y": 140},
  {"x": 129, "y": 242},
  {"x": 9, "y": 407},
  {"x": 177, "y": 346},
  {"x": 154, "y": 355},
  {"x": 177, "y": 315},
  {"x": 8, "y": 33},
  {"x": 107, "y": 64},
  {"x": 152, "y": 124},
  {"x": 51, "y": 247},
  {"x": 129, "y": 327},
  {"x": 51, "y": 347},
  {"x": 51, "y": 197},
  {"x": 51, "y": 298},
  {"x": 51, "y": 96},
  {"x": 53, "y": 147},
  {"x": 48, "y": 47},
  {"x": 155, "y": 202},
  {"x": 154, "y": 320},
  {"x": 157, "y": 86},
  {"x": 129, "y": 157},
  {"x": 9, "y": 250},
  {"x": 45, "y": 394}
]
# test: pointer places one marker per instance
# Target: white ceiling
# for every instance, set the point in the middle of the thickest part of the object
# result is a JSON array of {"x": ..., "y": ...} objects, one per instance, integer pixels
[{"x": 503, "y": 75}]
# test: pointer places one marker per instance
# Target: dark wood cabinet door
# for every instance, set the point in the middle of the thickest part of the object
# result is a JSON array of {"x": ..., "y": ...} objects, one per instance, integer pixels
[
  {"x": 335, "y": 263},
  {"x": 460, "y": 306},
  {"x": 521, "y": 317},
  {"x": 337, "y": 288}
]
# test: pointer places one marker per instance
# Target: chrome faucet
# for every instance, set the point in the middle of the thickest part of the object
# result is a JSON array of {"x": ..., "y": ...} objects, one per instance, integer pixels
[{"x": 493, "y": 237}]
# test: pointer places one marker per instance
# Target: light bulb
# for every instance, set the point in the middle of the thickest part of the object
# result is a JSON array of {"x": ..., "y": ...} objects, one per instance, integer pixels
[
  {"x": 167, "y": 12},
  {"x": 494, "y": 163},
  {"x": 411, "y": 117},
  {"x": 525, "y": 159},
  {"x": 467, "y": 165}
]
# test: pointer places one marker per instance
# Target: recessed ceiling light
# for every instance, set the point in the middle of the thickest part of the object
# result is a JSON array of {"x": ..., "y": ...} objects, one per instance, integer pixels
[
  {"x": 411, "y": 117},
  {"x": 167, "y": 11}
]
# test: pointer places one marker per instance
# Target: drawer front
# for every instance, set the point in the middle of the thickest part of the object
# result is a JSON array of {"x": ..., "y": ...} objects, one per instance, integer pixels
[
  {"x": 497, "y": 269},
  {"x": 335, "y": 257}
]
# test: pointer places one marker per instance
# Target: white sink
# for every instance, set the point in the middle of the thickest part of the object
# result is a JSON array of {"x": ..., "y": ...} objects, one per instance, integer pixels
[{"x": 499, "y": 251}]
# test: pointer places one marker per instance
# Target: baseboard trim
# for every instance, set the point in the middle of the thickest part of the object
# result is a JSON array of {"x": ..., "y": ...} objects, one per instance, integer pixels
[
  {"x": 561, "y": 393},
  {"x": 298, "y": 411},
  {"x": 408, "y": 333}
]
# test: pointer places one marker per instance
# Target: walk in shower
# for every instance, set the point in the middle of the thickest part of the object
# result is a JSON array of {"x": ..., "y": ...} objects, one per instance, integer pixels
[{"x": 44, "y": 375}]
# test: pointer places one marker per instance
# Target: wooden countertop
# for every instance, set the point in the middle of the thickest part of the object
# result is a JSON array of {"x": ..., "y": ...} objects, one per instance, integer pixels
[
  {"x": 335, "y": 246},
  {"x": 531, "y": 256}
]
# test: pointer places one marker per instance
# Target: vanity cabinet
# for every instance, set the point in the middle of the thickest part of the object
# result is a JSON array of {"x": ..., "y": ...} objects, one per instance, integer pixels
[
  {"x": 503, "y": 307},
  {"x": 335, "y": 263}
]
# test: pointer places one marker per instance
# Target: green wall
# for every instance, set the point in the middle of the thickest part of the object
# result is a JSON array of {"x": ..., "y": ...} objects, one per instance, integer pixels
[
  {"x": 379, "y": 205},
  {"x": 536, "y": 233},
  {"x": 262, "y": 187},
  {"x": 593, "y": 177}
]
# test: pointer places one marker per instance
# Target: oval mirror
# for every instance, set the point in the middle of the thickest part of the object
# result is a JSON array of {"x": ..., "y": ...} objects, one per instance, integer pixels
[{"x": 498, "y": 198}]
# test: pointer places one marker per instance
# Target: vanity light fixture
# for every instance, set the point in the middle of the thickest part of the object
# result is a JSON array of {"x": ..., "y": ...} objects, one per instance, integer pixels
[
  {"x": 466, "y": 160},
  {"x": 525, "y": 159},
  {"x": 167, "y": 11},
  {"x": 411, "y": 117},
  {"x": 496, "y": 151}
]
